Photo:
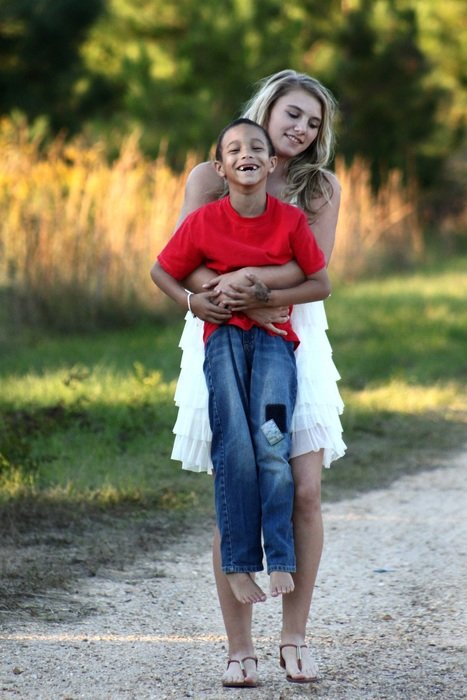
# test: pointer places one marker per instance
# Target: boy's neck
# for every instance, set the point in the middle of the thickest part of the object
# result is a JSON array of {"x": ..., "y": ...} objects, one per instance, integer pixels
[{"x": 248, "y": 204}]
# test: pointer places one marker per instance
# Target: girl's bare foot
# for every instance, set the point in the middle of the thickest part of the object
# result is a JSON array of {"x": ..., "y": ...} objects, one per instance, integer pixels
[
  {"x": 245, "y": 589},
  {"x": 299, "y": 663},
  {"x": 241, "y": 673},
  {"x": 281, "y": 582}
]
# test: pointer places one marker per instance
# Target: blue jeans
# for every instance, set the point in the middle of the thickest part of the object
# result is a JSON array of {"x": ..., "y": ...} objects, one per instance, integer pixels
[{"x": 252, "y": 383}]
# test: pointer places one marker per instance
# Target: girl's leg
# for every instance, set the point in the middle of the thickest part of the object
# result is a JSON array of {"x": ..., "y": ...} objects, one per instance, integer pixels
[
  {"x": 308, "y": 534},
  {"x": 237, "y": 621}
]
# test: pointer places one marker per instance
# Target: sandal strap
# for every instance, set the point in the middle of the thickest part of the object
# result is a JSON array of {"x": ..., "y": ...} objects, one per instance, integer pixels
[
  {"x": 240, "y": 662},
  {"x": 296, "y": 646},
  {"x": 298, "y": 652}
]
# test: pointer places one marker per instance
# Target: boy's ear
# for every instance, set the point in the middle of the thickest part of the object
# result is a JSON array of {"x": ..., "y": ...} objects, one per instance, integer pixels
[
  {"x": 219, "y": 168},
  {"x": 273, "y": 163}
]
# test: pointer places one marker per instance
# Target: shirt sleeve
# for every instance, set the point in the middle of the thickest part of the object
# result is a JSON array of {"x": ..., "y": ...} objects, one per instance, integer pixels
[
  {"x": 181, "y": 255},
  {"x": 306, "y": 251}
]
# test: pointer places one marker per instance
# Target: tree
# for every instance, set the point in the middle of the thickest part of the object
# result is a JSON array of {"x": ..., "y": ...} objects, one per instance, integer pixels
[
  {"x": 388, "y": 106},
  {"x": 184, "y": 68},
  {"x": 41, "y": 67},
  {"x": 177, "y": 70}
]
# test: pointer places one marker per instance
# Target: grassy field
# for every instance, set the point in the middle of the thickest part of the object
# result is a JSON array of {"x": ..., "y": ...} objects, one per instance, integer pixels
[{"x": 86, "y": 419}]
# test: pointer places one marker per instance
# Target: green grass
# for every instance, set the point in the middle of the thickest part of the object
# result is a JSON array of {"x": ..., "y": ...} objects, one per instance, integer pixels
[
  {"x": 87, "y": 419},
  {"x": 90, "y": 418},
  {"x": 400, "y": 345}
]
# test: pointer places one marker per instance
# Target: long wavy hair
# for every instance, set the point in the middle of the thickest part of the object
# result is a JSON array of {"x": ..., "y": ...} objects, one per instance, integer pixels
[{"x": 307, "y": 180}]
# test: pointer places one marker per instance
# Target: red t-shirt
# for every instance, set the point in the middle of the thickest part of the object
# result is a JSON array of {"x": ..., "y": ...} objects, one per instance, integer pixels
[{"x": 219, "y": 238}]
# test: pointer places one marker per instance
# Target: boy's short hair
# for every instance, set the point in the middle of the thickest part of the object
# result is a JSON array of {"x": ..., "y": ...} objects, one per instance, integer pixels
[{"x": 236, "y": 122}]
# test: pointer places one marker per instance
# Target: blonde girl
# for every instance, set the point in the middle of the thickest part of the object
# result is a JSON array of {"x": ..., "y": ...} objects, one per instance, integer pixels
[{"x": 298, "y": 113}]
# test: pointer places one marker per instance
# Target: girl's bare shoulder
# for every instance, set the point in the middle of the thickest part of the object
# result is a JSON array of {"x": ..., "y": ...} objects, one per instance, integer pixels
[
  {"x": 333, "y": 180},
  {"x": 204, "y": 184}
]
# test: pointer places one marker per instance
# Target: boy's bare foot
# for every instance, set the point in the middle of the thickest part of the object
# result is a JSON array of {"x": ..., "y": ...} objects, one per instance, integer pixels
[
  {"x": 281, "y": 582},
  {"x": 245, "y": 589}
]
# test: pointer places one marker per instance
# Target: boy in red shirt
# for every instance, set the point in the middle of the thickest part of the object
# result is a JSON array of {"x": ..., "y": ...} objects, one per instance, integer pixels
[{"x": 250, "y": 371}]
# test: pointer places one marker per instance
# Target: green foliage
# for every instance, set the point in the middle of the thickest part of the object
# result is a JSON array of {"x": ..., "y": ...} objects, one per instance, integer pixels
[
  {"x": 388, "y": 110},
  {"x": 41, "y": 64},
  {"x": 185, "y": 68},
  {"x": 177, "y": 71}
]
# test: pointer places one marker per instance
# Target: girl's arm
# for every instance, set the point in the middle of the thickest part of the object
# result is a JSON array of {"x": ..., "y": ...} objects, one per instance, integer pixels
[
  {"x": 324, "y": 224},
  {"x": 203, "y": 185}
]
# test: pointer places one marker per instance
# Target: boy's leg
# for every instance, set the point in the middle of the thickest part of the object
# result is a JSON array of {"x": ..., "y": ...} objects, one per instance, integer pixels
[
  {"x": 272, "y": 400},
  {"x": 236, "y": 488}
]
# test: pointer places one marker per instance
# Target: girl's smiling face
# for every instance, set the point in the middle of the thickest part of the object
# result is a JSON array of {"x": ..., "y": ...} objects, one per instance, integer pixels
[{"x": 294, "y": 123}]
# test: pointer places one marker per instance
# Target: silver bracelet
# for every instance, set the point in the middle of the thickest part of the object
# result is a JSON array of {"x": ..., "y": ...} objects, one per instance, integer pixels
[{"x": 189, "y": 294}]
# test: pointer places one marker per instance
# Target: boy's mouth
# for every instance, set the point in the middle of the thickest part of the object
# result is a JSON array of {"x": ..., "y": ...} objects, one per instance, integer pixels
[{"x": 248, "y": 168}]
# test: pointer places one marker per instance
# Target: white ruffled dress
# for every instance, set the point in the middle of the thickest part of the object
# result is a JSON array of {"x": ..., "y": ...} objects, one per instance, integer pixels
[{"x": 316, "y": 424}]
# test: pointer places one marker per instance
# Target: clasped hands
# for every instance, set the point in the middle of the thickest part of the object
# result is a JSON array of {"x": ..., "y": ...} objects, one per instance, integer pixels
[{"x": 234, "y": 292}]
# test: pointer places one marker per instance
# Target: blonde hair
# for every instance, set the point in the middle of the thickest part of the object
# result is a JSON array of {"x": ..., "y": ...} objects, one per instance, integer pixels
[{"x": 306, "y": 174}]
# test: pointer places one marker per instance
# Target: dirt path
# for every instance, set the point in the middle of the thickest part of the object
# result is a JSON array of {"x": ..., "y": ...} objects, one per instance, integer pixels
[{"x": 389, "y": 617}]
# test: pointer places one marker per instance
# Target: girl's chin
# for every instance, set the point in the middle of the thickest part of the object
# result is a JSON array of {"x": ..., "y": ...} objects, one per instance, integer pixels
[
  {"x": 289, "y": 149},
  {"x": 289, "y": 152}
]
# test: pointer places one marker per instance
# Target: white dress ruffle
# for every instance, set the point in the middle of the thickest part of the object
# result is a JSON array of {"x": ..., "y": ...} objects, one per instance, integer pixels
[{"x": 315, "y": 425}]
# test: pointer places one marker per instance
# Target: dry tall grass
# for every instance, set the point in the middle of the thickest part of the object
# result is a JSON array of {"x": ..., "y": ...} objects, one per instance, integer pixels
[
  {"x": 78, "y": 235},
  {"x": 374, "y": 231}
]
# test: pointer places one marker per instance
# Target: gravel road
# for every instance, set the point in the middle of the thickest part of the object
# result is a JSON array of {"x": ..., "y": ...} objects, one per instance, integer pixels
[{"x": 389, "y": 618}]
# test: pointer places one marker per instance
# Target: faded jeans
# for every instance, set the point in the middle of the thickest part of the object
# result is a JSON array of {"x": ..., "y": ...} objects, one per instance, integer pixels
[{"x": 252, "y": 383}]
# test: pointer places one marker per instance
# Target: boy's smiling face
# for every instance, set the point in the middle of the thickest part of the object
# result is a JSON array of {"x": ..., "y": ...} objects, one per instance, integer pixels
[{"x": 246, "y": 158}]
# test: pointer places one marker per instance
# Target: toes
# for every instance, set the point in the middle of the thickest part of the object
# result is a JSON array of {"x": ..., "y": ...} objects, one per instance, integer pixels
[
  {"x": 240, "y": 672},
  {"x": 245, "y": 590},
  {"x": 281, "y": 584},
  {"x": 304, "y": 671}
]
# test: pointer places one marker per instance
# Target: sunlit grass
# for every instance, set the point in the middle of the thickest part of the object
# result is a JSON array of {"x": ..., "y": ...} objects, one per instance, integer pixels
[
  {"x": 99, "y": 385},
  {"x": 410, "y": 328},
  {"x": 408, "y": 398}
]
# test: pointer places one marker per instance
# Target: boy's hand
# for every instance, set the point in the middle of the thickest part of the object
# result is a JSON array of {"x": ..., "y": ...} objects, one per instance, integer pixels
[{"x": 204, "y": 307}]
